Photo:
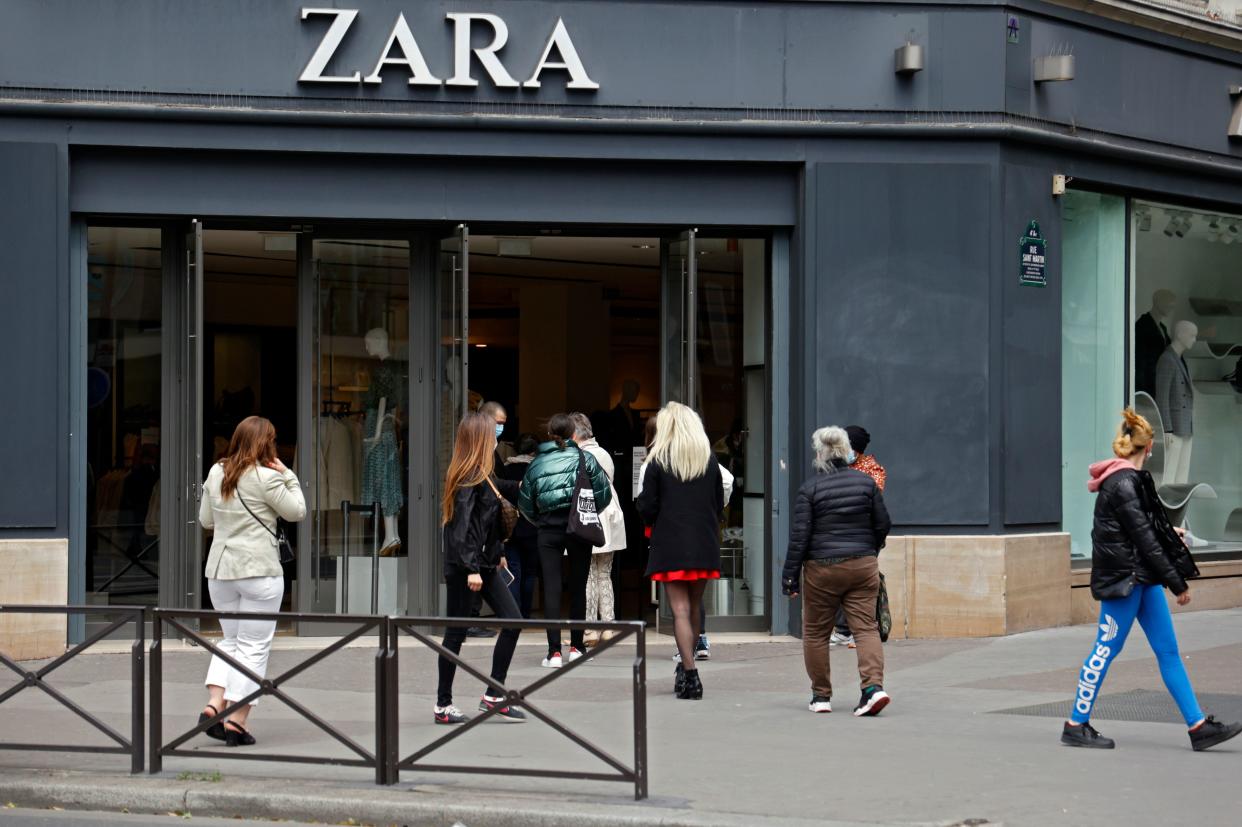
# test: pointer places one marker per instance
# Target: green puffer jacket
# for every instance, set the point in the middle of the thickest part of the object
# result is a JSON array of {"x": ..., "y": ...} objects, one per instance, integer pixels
[{"x": 548, "y": 486}]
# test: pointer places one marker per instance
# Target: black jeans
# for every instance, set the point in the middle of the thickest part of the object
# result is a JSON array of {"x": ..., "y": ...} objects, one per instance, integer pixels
[
  {"x": 522, "y": 552},
  {"x": 458, "y": 601},
  {"x": 553, "y": 542}
]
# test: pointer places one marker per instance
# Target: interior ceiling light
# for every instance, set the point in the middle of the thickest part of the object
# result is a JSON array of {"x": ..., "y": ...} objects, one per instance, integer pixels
[
  {"x": 643, "y": 246},
  {"x": 1213, "y": 222},
  {"x": 1233, "y": 229},
  {"x": 1171, "y": 227},
  {"x": 1144, "y": 220}
]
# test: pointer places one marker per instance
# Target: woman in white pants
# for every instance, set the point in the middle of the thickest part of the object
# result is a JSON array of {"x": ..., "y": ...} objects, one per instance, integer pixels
[
  {"x": 600, "y": 603},
  {"x": 244, "y": 494}
]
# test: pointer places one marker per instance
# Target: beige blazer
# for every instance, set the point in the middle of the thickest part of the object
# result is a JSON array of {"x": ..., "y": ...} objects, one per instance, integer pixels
[{"x": 241, "y": 547}]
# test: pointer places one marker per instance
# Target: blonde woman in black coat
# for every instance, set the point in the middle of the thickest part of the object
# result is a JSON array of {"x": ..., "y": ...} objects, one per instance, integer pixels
[{"x": 683, "y": 501}]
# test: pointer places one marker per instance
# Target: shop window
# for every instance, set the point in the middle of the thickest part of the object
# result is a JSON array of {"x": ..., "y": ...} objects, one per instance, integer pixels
[
  {"x": 1186, "y": 324},
  {"x": 123, "y": 366},
  {"x": 1093, "y": 336}
]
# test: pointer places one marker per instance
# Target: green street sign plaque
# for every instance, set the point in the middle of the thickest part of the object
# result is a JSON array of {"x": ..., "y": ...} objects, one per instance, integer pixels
[{"x": 1033, "y": 257}]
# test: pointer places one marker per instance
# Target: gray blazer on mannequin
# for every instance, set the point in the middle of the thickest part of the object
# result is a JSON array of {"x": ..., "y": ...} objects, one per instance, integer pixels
[{"x": 1175, "y": 394}]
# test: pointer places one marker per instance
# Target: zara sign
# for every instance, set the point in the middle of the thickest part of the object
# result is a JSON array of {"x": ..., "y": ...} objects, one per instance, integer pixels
[{"x": 401, "y": 49}]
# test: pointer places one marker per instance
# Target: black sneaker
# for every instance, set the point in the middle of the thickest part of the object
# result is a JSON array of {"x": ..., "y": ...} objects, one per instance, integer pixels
[
  {"x": 503, "y": 711},
  {"x": 1084, "y": 735},
  {"x": 702, "y": 649},
  {"x": 449, "y": 715},
  {"x": 475, "y": 631},
  {"x": 1211, "y": 732},
  {"x": 874, "y": 698}
]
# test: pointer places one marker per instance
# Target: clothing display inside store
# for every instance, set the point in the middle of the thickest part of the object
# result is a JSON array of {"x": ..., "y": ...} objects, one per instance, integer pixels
[
  {"x": 1187, "y": 262},
  {"x": 361, "y": 442}
]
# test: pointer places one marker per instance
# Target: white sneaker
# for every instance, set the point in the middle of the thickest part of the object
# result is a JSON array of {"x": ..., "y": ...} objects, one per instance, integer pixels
[
  {"x": 677, "y": 657},
  {"x": 553, "y": 660},
  {"x": 574, "y": 654},
  {"x": 838, "y": 639},
  {"x": 819, "y": 704}
]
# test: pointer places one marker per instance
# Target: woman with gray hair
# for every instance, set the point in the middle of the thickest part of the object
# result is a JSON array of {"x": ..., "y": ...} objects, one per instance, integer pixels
[
  {"x": 839, "y": 526},
  {"x": 600, "y": 601}
]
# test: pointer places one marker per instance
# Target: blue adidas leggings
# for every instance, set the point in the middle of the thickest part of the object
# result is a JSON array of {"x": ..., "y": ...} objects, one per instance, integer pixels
[{"x": 1147, "y": 605}]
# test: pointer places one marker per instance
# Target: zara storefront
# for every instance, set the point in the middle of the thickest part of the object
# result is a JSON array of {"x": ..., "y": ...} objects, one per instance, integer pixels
[{"x": 361, "y": 220}]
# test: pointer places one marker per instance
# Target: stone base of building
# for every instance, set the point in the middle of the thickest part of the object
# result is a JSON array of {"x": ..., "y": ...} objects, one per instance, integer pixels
[
  {"x": 977, "y": 586},
  {"x": 35, "y": 571},
  {"x": 1218, "y": 587}
]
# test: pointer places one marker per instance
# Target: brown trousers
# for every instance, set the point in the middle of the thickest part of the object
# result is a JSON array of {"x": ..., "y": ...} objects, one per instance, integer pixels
[{"x": 853, "y": 584}]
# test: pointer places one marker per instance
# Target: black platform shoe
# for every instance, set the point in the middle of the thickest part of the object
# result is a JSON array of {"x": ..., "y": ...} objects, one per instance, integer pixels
[
  {"x": 693, "y": 688},
  {"x": 216, "y": 730},
  {"x": 235, "y": 735},
  {"x": 679, "y": 680}
]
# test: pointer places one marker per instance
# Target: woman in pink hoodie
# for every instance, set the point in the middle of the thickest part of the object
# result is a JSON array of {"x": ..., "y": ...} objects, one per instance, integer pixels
[{"x": 1135, "y": 555}]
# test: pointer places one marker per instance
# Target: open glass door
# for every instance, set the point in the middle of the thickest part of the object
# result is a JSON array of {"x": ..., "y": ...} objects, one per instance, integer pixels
[
  {"x": 187, "y": 566},
  {"x": 678, "y": 277},
  {"x": 453, "y": 359},
  {"x": 714, "y": 358}
]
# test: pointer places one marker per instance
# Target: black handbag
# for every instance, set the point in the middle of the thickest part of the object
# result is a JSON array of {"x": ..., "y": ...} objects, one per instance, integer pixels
[
  {"x": 584, "y": 522},
  {"x": 282, "y": 539}
]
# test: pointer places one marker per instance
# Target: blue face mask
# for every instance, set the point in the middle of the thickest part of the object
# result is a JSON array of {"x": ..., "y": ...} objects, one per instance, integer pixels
[
  {"x": 500, "y": 429},
  {"x": 851, "y": 458}
]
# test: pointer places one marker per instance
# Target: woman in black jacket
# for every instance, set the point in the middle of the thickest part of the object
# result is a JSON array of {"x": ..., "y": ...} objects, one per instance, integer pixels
[
  {"x": 682, "y": 500},
  {"x": 1135, "y": 555},
  {"x": 839, "y": 526},
  {"x": 472, "y": 557}
]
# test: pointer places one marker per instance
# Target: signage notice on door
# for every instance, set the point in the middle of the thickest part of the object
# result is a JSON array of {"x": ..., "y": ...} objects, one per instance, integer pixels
[{"x": 1033, "y": 257}]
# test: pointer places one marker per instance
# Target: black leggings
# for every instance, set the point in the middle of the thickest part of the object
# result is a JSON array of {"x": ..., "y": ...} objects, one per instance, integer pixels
[
  {"x": 458, "y": 602},
  {"x": 553, "y": 543}
]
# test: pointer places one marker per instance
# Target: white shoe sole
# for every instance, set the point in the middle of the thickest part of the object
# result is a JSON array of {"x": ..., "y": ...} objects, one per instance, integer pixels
[
  {"x": 819, "y": 711},
  {"x": 547, "y": 664},
  {"x": 877, "y": 702}
]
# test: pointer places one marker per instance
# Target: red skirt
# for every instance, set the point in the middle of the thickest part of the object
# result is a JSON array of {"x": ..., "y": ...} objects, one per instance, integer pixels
[{"x": 686, "y": 574}]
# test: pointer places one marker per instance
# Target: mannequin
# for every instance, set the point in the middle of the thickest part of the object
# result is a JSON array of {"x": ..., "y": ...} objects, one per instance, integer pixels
[
  {"x": 1175, "y": 397},
  {"x": 1151, "y": 337},
  {"x": 381, "y": 464}
]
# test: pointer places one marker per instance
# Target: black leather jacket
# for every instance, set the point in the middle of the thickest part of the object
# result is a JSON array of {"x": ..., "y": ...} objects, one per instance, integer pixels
[
  {"x": 1133, "y": 541},
  {"x": 472, "y": 537}
]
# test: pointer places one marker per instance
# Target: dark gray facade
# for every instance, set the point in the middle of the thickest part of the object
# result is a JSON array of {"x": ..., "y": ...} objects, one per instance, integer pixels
[{"x": 903, "y": 197}]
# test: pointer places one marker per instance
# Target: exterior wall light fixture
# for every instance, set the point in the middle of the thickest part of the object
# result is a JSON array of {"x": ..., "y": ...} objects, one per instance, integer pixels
[
  {"x": 1054, "y": 67},
  {"x": 1235, "y": 122},
  {"x": 908, "y": 59}
]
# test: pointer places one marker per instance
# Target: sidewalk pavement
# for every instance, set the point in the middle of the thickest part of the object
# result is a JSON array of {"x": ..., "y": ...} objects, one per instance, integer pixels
[{"x": 970, "y": 738}]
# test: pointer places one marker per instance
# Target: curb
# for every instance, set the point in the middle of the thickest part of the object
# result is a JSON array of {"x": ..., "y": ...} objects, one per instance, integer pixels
[{"x": 405, "y": 805}]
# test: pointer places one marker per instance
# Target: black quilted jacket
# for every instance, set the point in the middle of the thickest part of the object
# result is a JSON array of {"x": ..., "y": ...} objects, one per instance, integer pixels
[
  {"x": 1133, "y": 541},
  {"x": 836, "y": 515}
]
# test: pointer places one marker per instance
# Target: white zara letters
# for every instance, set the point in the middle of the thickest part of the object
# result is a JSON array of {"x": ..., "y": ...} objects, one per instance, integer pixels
[{"x": 401, "y": 49}]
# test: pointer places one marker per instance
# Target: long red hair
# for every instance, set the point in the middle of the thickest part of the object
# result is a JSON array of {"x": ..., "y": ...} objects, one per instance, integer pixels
[
  {"x": 473, "y": 458},
  {"x": 253, "y": 443}
]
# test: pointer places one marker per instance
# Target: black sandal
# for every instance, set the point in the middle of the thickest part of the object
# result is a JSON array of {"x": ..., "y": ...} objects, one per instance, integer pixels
[
  {"x": 216, "y": 730},
  {"x": 236, "y": 735}
]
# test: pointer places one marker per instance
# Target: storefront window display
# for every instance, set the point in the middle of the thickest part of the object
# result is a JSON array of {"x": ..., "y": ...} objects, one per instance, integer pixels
[{"x": 1186, "y": 328}]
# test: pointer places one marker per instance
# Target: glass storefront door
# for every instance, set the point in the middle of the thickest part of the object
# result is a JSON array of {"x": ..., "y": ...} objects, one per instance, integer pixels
[{"x": 714, "y": 357}]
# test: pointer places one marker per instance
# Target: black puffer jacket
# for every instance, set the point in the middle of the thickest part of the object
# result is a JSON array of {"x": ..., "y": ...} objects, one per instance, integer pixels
[
  {"x": 836, "y": 515},
  {"x": 1132, "y": 540}
]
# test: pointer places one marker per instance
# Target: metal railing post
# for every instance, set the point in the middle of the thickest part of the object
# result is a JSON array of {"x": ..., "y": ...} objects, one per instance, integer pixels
[
  {"x": 138, "y": 689},
  {"x": 393, "y": 721},
  {"x": 381, "y": 706},
  {"x": 156, "y": 763},
  {"x": 640, "y": 715}
]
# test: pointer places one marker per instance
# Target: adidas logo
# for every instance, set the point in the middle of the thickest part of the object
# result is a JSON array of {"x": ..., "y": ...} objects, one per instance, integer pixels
[{"x": 1108, "y": 628}]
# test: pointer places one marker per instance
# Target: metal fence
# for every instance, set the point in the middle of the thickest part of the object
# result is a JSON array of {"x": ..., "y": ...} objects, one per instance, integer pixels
[
  {"x": 385, "y": 755},
  {"x": 132, "y": 746}
]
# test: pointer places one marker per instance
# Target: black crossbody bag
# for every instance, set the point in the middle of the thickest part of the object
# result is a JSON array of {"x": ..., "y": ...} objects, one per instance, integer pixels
[{"x": 282, "y": 539}]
